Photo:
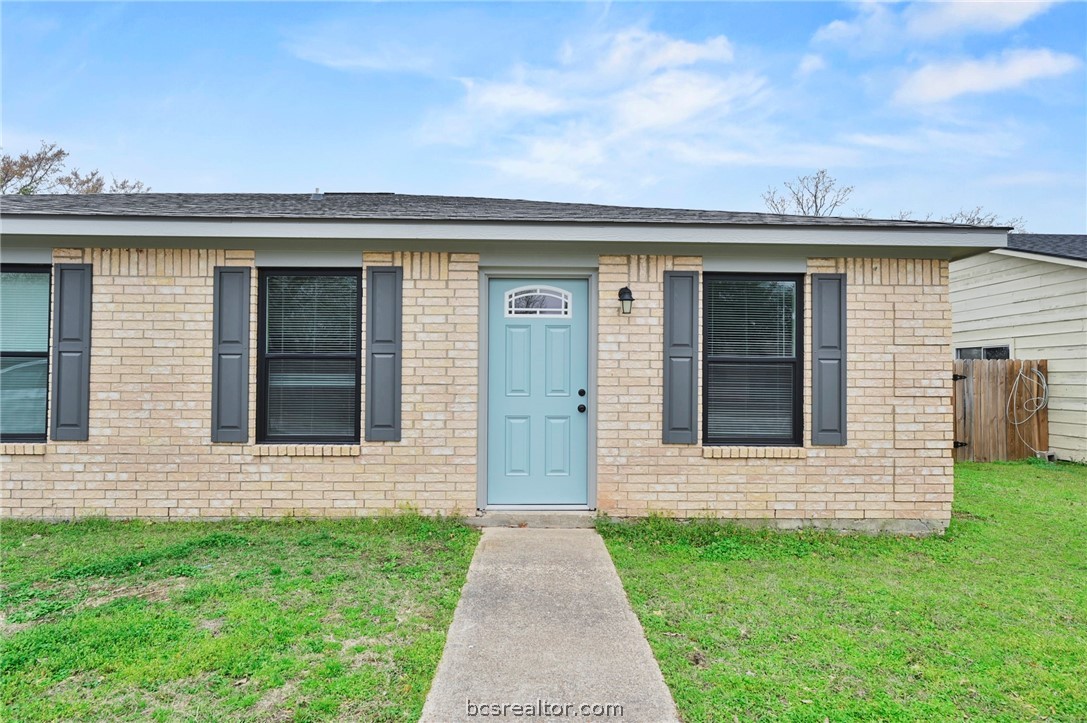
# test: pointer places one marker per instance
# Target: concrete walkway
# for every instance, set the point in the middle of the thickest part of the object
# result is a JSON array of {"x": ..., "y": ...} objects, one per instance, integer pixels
[{"x": 543, "y": 622}]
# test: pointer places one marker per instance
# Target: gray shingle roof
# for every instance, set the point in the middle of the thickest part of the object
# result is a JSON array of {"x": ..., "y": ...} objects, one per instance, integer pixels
[
  {"x": 1065, "y": 245},
  {"x": 400, "y": 207}
]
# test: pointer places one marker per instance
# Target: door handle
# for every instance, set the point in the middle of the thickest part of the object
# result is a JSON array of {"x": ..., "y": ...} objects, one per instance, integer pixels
[{"x": 581, "y": 408}]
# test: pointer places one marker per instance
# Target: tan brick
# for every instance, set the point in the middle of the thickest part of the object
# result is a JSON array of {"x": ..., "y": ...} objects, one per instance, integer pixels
[
  {"x": 891, "y": 368},
  {"x": 150, "y": 451}
]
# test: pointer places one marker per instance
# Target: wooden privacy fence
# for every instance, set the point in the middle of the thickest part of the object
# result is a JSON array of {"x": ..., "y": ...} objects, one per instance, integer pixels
[{"x": 988, "y": 401}]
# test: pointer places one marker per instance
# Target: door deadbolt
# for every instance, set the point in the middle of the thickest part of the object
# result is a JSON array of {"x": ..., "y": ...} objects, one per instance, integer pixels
[{"x": 581, "y": 392}]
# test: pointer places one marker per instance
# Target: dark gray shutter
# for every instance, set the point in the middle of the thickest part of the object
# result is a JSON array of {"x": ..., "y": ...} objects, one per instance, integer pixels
[
  {"x": 71, "y": 352},
  {"x": 680, "y": 357},
  {"x": 828, "y": 359},
  {"x": 384, "y": 297},
  {"x": 230, "y": 355}
]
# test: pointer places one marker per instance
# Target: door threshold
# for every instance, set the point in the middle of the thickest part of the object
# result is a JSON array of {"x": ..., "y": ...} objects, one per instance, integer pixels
[{"x": 535, "y": 508}]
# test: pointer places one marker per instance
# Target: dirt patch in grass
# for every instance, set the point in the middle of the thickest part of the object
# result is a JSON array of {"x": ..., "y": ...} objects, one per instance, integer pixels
[
  {"x": 271, "y": 706},
  {"x": 151, "y": 591},
  {"x": 7, "y": 628},
  {"x": 211, "y": 626},
  {"x": 47, "y": 600}
]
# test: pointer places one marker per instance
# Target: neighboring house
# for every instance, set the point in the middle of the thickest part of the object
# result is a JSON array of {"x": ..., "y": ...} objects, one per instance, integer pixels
[
  {"x": 347, "y": 354},
  {"x": 1029, "y": 301}
]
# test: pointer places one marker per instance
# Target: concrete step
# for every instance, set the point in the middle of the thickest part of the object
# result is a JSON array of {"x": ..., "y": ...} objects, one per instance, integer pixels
[{"x": 556, "y": 519}]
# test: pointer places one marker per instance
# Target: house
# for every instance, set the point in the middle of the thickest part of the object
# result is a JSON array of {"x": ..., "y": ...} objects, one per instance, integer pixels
[
  {"x": 212, "y": 355},
  {"x": 1029, "y": 301}
]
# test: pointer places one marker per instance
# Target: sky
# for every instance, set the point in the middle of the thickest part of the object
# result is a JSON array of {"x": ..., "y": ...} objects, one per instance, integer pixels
[{"x": 922, "y": 107}]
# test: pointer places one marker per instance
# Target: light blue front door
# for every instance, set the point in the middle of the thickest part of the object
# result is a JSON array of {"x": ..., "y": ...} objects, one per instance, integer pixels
[{"x": 537, "y": 392}]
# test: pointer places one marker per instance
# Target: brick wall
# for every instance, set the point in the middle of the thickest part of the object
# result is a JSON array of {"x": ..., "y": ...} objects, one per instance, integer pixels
[
  {"x": 894, "y": 473},
  {"x": 150, "y": 452}
]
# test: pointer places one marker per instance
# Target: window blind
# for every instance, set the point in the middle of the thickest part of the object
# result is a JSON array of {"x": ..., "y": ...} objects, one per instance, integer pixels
[
  {"x": 751, "y": 318},
  {"x": 311, "y": 398},
  {"x": 22, "y": 395},
  {"x": 309, "y": 382},
  {"x": 312, "y": 315},
  {"x": 750, "y": 400},
  {"x": 751, "y": 366},
  {"x": 24, "y": 312},
  {"x": 24, "y": 354}
]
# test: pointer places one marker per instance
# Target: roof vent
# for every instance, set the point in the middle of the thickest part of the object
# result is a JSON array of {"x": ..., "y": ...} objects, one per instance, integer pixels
[{"x": 317, "y": 195}]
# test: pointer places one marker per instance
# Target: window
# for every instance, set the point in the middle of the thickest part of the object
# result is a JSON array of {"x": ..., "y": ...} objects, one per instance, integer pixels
[
  {"x": 983, "y": 352},
  {"x": 24, "y": 352},
  {"x": 308, "y": 356},
  {"x": 537, "y": 301},
  {"x": 752, "y": 375}
]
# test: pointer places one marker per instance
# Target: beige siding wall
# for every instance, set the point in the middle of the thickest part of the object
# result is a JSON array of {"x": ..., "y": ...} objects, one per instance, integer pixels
[
  {"x": 897, "y": 464},
  {"x": 1039, "y": 308},
  {"x": 150, "y": 453}
]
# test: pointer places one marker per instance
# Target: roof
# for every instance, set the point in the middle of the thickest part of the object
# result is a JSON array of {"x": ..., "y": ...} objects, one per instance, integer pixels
[
  {"x": 1064, "y": 245},
  {"x": 402, "y": 207}
]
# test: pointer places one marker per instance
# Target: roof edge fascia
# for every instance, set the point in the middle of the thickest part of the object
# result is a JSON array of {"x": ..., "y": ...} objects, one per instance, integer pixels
[
  {"x": 1033, "y": 256},
  {"x": 873, "y": 223},
  {"x": 31, "y": 225}
]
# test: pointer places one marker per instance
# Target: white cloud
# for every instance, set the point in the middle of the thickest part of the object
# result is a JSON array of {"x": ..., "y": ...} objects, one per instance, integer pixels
[
  {"x": 881, "y": 27},
  {"x": 347, "y": 55},
  {"x": 934, "y": 19},
  {"x": 975, "y": 142},
  {"x": 874, "y": 27},
  {"x": 942, "y": 81},
  {"x": 770, "y": 151},
  {"x": 614, "y": 113},
  {"x": 571, "y": 158},
  {"x": 669, "y": 100},
  {"x": 608, "y": 102},
  {"x": 810, "y": 63},
  {"x": 515, "y": 97},
  {"x": 376, "y": 41},
  {"x": 637, "y": 50}
]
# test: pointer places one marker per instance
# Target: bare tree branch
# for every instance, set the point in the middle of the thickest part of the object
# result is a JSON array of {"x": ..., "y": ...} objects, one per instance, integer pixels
[
  {"x": 126, "y": 186},
  {"x": 820, "y": 195},
  {"x": 814, "y": 195},
  {"x": 776, "y": 202},
  {"x": 978, "y": 216}
]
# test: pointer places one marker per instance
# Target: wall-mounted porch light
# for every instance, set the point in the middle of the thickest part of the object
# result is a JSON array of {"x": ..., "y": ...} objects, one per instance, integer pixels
[{"x": 626, "y": 298}]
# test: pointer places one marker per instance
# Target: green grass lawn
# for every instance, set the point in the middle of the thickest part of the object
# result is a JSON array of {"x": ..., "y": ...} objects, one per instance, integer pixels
[
  {"x": 292, "y": 620},
  {"x": 987, "y": 623}
]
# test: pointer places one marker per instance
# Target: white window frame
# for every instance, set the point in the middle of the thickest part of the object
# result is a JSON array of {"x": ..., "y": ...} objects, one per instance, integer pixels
[{"x": 564, "y": 297}]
